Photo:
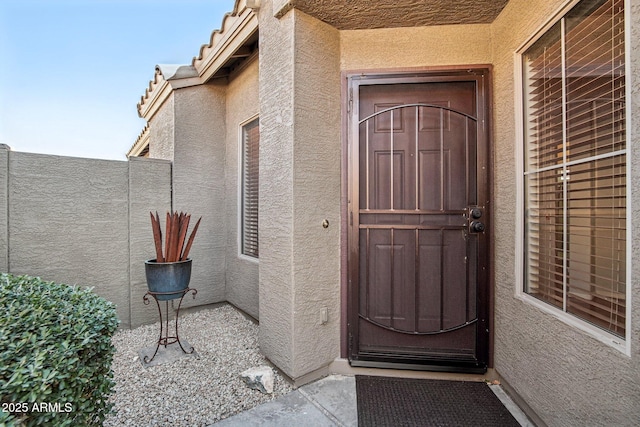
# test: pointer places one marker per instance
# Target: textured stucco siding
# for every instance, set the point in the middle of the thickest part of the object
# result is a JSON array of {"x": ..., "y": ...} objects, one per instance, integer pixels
[
  {"x": 360, "y": 14},
  {"x": 276, "y": 186},
  {"x": 299, "y": 188},
  {"x": 241, "y": 273},
  {"x": 69, "y": 223},
  {"x": 300, "y": 102},
  {"x": 316, "y": 194},
  {"x": 539, "y": 355},
  {"x": 415, "y": 47},
  {"x": 162, "y": 131},
  {"x": 565, "y": 375},
  {"x": 149, "y": 191},
  {"x": 84, "y": 222},
  {"x": 199, "y": 183}
]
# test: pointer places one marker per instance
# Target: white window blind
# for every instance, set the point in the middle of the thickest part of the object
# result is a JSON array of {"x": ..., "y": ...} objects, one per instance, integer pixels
[
  {"x": 575, "y": 165},
  {"x": 250, "y": 188}
]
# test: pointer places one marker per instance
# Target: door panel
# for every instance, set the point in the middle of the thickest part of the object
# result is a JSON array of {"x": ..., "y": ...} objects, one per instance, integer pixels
[{"x": 416, "y": 293}]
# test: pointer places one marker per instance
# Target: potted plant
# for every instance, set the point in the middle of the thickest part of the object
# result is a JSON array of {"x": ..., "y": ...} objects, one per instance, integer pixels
[{"x": 170, "y": 272}]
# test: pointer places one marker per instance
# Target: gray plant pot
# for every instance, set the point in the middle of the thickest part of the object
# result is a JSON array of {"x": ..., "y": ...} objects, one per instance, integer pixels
[{"x": 170, "y": 278}]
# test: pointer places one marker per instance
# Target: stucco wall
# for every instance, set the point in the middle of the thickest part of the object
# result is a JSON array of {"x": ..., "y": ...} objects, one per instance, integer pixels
[
  {"x": 316, "y": 192},
  {"x": 276, "y": 186},
  {"x": 199, "y": 183},
  {"x": 189, "y": 130},
  {"x": 566, "y": 376},
  {"x": 540, "y": 356},
  {"x": 299, "y": 188},
  {"x": 69, "y": 221},
  {"x": 300, "y": 63},
  {"x": 149, "y": 191},
  {"x": 162, "y": 132},
  {"x": 415, "y": 47},
  {"x": 241, "y": 273}
]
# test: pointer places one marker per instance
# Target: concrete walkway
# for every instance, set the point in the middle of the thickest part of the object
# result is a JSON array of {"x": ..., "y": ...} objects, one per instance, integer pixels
[{"x": 328, "y": 402}]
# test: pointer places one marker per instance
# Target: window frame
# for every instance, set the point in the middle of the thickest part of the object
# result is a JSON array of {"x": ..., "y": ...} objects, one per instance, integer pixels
[
  {"x": 621, "y": 344},
  {"x": 241, "y": 190}
]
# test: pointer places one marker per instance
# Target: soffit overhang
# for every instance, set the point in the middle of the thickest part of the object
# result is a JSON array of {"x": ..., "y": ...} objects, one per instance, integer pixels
[
  {"x": 237, "y": 40},
  {"x": 228, "y": 47},
  {"x": 365, "y": 14},
  {"x": 141, "y": 145}
]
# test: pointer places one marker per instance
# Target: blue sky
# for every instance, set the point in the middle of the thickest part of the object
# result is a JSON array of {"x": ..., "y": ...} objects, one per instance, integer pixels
[{"x": 72, "y": 71}]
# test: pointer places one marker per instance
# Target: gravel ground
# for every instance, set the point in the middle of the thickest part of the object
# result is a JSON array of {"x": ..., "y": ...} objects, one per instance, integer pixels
[{"x": 190, "y": 392}]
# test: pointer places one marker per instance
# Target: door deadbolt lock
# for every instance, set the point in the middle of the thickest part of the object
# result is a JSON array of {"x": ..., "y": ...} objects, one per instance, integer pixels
[
  {"x": 476, "y": 213},
  {"x": 476, "y": 227}
]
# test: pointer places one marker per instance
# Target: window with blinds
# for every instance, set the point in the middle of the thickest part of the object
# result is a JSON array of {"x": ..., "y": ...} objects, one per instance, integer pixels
[
  {"x": 575, "y": 156},
  {"x": 250, "y": 188}
]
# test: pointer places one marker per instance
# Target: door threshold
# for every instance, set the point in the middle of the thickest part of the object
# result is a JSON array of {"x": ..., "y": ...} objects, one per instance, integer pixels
[
  {"x": 341, "y": 366},
  {"x": 453, "y": 368}
]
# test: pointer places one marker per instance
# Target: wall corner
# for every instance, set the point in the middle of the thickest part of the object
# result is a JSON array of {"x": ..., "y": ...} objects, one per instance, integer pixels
[{"x": 149, "y": 191}]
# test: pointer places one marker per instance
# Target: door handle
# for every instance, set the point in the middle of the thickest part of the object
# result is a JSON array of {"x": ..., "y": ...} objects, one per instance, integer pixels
[{"x": 477, "y": 226}]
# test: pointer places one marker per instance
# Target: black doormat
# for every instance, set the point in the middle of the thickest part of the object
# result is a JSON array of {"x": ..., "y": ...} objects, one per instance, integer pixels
[{"x": 395, "y": 402}]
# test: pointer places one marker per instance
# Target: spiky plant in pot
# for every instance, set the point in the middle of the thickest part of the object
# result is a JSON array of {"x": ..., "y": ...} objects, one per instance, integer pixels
[{"x": 168, "y": 275}]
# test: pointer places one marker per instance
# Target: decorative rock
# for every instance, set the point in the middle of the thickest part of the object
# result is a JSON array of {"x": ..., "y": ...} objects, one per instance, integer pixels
[
  {"x": 260, "y": 378},
  {"x": 199, "y": 393}
]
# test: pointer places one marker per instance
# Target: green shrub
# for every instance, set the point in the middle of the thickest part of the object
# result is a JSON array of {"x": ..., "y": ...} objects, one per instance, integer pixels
[{"x": 55, "y": 353}]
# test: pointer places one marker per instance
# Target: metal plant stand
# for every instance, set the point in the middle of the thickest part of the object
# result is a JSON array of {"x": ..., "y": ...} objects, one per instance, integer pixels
[{"x": 164, "y": 338}]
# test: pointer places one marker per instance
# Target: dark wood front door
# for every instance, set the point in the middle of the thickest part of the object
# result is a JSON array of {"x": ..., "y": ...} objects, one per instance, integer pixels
[{"x": 418, "y": 218}]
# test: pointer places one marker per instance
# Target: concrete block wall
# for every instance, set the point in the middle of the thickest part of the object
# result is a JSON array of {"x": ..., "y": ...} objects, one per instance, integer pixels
[
  {"x": 4, "y": 207},
  {"x": 68, "y": 223},
  {"x": 82, "y": 222}
]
